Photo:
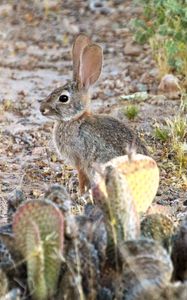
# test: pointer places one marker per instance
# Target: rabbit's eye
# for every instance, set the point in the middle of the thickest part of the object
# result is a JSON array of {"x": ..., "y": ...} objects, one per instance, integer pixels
[{"x": 64, "y": 98}]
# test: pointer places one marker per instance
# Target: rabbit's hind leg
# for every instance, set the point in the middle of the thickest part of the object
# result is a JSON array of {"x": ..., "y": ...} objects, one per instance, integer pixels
[{"x": 84, "y": 182}]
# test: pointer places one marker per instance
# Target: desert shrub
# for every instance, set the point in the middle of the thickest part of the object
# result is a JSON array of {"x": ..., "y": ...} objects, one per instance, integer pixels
[
  {"x": 131, "y": 112},
  {"x": 174, "y": 133},
  {"x": 164, "y": 24}
]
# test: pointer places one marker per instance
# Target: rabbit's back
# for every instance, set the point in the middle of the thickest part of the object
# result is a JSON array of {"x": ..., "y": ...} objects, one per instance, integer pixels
[
  {"x": 96, "y": 138},
  {"x": 111, "y": 136}
]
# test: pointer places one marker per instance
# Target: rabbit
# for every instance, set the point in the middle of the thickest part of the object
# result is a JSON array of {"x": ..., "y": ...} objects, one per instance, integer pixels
[{"x": 81, "y": 137}]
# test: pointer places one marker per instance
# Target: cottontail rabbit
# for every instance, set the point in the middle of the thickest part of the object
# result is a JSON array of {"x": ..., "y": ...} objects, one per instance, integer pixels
[{"x": 80, "y": 136}]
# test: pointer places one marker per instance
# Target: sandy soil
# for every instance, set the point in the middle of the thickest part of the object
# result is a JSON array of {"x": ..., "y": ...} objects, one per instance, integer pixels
[{"x": 35, "y": 51}]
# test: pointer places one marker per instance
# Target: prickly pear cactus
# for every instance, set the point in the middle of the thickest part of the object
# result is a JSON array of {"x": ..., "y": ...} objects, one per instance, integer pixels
[
  {"x": 122, "y": 188},
  {"x": 171, "y": 291},
  {"x": 112, "y": 195},
  {"x": 141, "y": 174},
  {"x": 145, "y": 265},
  {"x": 39, "y": 234},
  {"x": 126, "y": 186},
  {"x": 121, "y": 208},
  {"x": 160, "y": 228}
]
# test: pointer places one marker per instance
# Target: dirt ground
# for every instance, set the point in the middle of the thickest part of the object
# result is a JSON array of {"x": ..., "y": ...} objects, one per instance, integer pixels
[{"x": 35, "y": 50}]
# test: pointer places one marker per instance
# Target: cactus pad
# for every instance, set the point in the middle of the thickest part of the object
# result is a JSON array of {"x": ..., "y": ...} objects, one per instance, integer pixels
[
  {"x": 142, "y": 176},
  {"x": 39, "y": 235}
]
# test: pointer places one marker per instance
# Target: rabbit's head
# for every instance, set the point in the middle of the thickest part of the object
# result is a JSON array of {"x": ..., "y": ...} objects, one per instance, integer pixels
[{"x": 72, "y": 100}]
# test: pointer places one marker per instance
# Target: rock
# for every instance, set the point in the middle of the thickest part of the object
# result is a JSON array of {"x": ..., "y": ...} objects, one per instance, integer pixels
[
  {"x": 51, "y": 5},
  {"x": 20, "y": 45},
  {"x": 70, "y": 28},
  {"x": 142, "y": 87},
  {"x": 169, "y": 85},
  {"x": 132, "y": 49},
  {"x": 35, "y": 51},
  {"x": 99, "y": 6}
]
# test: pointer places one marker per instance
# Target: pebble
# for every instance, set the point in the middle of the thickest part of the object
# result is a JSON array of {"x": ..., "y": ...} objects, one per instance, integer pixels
[
  {"x": 132, "y": 49},
  {"x": 169, "y": 85},
  {"x": 20, "y": 45}
]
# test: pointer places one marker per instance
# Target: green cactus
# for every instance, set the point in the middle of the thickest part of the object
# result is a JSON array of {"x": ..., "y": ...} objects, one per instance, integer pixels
[
  {"x": 160, "y": 228},
  {"x": 146, "y": 266},
  {"x": 126, "y": 186},
  {"x": 124, "y": 220},
  {"x": 39, "y": 234},
  {"x": 112, "y": 195}
]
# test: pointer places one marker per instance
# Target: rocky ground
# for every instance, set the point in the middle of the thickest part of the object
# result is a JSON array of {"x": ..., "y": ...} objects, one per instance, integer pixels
[{"x": 35, "y": 51}]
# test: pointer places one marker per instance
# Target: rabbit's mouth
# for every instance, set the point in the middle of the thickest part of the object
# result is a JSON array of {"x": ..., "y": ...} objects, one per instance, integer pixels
[
  {"x": 45, "y": 111},
  {"x": 50, "y": 113}
]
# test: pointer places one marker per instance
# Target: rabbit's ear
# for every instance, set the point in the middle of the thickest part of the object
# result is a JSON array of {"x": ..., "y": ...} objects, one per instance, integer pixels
[
  {"x": 90, "y": 65},
  {"x": 80, "y": 43}
]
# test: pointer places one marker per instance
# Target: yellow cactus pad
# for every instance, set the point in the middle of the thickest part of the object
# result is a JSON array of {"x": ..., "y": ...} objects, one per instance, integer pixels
[{"x": 142, "y": 175}]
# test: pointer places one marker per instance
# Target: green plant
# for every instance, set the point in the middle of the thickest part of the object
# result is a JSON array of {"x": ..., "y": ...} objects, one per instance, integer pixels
[
  {"x": 131, "y": 112},
  {"x": 178, "y": 131},
  {"x": 177, "y": 127},
  {"x": 175, "y": 132},
  {"x": 164, "y": 24},
  {"x": 183, "y": 105},
  {"x": 180, "y": 150},
  {"x": 161, "y": 133},
  {"x": 39, "y": 235}
]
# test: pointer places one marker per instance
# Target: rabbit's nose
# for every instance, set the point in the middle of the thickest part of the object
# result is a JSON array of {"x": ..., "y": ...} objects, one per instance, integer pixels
[{"x": 44, "y": 110}]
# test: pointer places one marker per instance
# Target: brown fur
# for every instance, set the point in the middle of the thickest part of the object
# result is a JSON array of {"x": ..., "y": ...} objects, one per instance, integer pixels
[{"x": 80, "y": 43}]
